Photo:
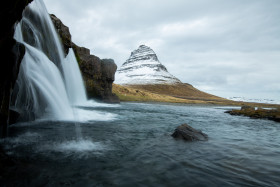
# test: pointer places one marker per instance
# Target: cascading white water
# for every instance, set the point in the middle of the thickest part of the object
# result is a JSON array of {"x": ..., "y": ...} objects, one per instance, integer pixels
[
  {"x": 74, "y": 82},
  {"x": 48, "y": 84},
  {"x": 41, "y": 89}
]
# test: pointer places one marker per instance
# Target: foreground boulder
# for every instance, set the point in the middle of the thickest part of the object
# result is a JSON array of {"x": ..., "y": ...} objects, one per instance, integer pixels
[{"x": 188, "y": 133}]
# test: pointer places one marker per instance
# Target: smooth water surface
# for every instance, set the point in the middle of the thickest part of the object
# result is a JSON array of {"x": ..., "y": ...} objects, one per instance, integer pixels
[{"x": 131, "y": 146}]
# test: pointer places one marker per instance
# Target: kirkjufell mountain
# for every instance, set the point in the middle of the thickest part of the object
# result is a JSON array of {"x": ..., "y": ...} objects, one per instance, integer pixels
[
  {"x": 143, "y": 68},
  {"x": 143, "y": 71}
]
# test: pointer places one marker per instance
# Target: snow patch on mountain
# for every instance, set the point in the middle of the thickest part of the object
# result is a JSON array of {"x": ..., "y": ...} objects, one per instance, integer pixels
[
  {"x": 252, "y": 100},
  {"x": 143, "y": 67}
]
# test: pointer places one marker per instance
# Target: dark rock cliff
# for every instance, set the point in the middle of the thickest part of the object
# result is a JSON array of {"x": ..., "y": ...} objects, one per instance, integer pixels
[
  {"x": 98, "y": 74},
  {"x": 11, "y": 54}
]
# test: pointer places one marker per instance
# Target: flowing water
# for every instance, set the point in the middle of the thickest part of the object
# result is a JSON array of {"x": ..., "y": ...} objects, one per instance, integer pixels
[
  {"x": 74, "y": 81},
  {"x": 48, "y": 84},
  {"x": 132, "y": 147},
  {"x": 74, "y": 141}
]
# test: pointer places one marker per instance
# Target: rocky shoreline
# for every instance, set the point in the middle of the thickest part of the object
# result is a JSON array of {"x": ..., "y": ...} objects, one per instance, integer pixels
[{"x": 259, "y": 113}]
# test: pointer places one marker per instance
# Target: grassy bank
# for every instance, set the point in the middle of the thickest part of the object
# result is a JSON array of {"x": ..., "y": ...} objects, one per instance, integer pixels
[{"x": 183, "y": 93}]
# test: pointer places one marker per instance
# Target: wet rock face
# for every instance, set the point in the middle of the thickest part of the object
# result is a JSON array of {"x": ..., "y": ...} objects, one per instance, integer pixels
[
  {"x": 63, "y": 32},
  {"x": 11, "y": 54},
  {"x": 188, "y": 133},
  {"x": 108, "y": 68},
  {"x": 98, "y": 74}
]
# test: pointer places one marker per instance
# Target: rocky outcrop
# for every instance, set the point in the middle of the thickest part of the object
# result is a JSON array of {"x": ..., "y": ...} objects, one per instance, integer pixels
[
  {"x": 11, "y": 54},
  {"x": 63, "y": 32},
  {"x": 98, "y": 74},
  {"x": 260, "y": 113},
  {"x": 143, "y": 68},
  {"x": 247, "y": 108},
  {"x": 188, "y": 133}
]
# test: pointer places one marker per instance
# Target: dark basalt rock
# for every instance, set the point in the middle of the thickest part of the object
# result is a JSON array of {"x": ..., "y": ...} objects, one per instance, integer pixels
[
  {"x": 98, "y": 74},
  {"x": 63, "y": 32},
  {"x": 11, "y": 54},
  {"x": 188, "y": 133}
]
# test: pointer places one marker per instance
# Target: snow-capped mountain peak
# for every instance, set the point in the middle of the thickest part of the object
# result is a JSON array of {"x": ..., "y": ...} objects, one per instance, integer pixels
[{"x": 143, "y": 67}]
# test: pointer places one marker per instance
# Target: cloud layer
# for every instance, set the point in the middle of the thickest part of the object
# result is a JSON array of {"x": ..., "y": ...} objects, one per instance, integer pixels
[{"x": 228, "y": 48}]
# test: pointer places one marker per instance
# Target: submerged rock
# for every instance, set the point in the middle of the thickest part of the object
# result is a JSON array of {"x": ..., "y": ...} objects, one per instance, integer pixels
[{"x": 188, "y": 133}]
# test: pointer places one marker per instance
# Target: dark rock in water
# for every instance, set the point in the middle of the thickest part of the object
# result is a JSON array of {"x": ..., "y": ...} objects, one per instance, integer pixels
[
  {"x": 98, "y": 74},
  {"x": 11, "y": 53},
  {"x": 277, "y": 118},
  {"x": 188, "y": 133},
  {"x": 13, "y": 117},
  {"x": 260, "y": 113},
  {"x": 5, "y": 160}
]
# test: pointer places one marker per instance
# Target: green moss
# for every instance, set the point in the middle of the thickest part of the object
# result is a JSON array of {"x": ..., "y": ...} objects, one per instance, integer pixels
[
  {"x": 77, "y": 57},
  {"x": 124, "y": 97}
]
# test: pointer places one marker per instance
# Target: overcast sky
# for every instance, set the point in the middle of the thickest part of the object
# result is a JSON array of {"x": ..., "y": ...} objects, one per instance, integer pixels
[{"x": 224, "y": 47}]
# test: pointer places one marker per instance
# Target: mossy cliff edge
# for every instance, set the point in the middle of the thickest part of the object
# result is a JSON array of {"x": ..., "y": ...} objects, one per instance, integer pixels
[{"x": 98, "y": 74}]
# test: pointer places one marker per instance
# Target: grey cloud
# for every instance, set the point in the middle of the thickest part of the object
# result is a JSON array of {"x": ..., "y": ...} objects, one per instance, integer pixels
[{"x": 220, "y": 46}]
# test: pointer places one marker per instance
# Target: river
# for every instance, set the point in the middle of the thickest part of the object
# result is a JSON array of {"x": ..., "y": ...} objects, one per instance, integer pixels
[{"x": 130, "y": 144}]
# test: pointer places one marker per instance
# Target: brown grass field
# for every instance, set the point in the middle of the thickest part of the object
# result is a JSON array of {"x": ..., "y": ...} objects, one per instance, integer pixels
[{"x": 179, "y": 93}]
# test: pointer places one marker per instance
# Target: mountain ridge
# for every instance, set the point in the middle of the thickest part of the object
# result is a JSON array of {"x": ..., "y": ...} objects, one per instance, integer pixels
[{"x": 143, "y": 67}]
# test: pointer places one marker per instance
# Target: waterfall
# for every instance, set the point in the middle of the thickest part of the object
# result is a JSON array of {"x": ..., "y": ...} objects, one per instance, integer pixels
[
  {"x": 48, "y": 84},
  {"x": 73, "y": 79}
]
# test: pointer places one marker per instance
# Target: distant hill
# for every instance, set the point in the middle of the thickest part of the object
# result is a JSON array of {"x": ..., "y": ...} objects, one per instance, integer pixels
[
  {"x": 184, "y": 93},
  {"x": 179, "y": 90},
  {"x": 128, "y": 93}
]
